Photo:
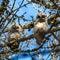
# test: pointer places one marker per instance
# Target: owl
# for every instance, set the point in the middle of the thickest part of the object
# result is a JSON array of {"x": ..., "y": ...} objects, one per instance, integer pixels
[
  {"x": 14, "y": 33},
  {"x": 40, "y": 27}
]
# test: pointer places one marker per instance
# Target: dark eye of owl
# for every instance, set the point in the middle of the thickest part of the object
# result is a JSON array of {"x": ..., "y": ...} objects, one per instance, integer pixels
[
  {"x": 43, "y": 16},
  {"x": 38, "y": 16}
]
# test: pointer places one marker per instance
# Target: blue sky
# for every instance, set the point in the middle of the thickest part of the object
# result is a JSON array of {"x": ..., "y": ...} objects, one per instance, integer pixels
[
  {"x": 27, "y": 58},
  {"x": 0, "y": 1}
]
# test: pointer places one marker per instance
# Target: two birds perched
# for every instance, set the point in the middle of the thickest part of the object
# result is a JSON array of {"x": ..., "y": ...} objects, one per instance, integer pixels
[{"x": 40, "y": 27}]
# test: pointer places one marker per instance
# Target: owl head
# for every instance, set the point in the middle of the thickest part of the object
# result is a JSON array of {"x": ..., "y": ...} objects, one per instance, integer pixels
[
  {"x": 41, "y": 17},
  {"x": 16, "y": 28}
]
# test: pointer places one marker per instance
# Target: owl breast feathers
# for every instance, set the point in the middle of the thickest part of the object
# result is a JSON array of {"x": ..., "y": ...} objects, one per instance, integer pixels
[{"x": 15, "y": 32}]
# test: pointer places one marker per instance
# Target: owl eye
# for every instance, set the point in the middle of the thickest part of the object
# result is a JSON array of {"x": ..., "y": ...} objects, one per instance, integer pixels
[
  {"x": 38, "y": 16},
  {"x": 43, "y": 16}
]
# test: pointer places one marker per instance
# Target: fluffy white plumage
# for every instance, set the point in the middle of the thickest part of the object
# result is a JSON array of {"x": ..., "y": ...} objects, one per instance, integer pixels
[{"x": 15, "y": 32}]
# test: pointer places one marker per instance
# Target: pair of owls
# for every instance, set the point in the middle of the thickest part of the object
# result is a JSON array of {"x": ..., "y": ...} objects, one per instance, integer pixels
[{"x": 40, "y": 27}]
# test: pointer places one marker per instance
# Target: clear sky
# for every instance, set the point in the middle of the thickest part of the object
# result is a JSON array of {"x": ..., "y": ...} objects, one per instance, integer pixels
[
  {"x": 0, "y": 1},
  {"x": 27, "y": 58}
]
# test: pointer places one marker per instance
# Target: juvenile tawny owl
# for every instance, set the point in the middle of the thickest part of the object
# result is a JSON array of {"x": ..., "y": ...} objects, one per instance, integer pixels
[
  {"x": 40, "y": 27},
  {"x": 14, "y": 34}
]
